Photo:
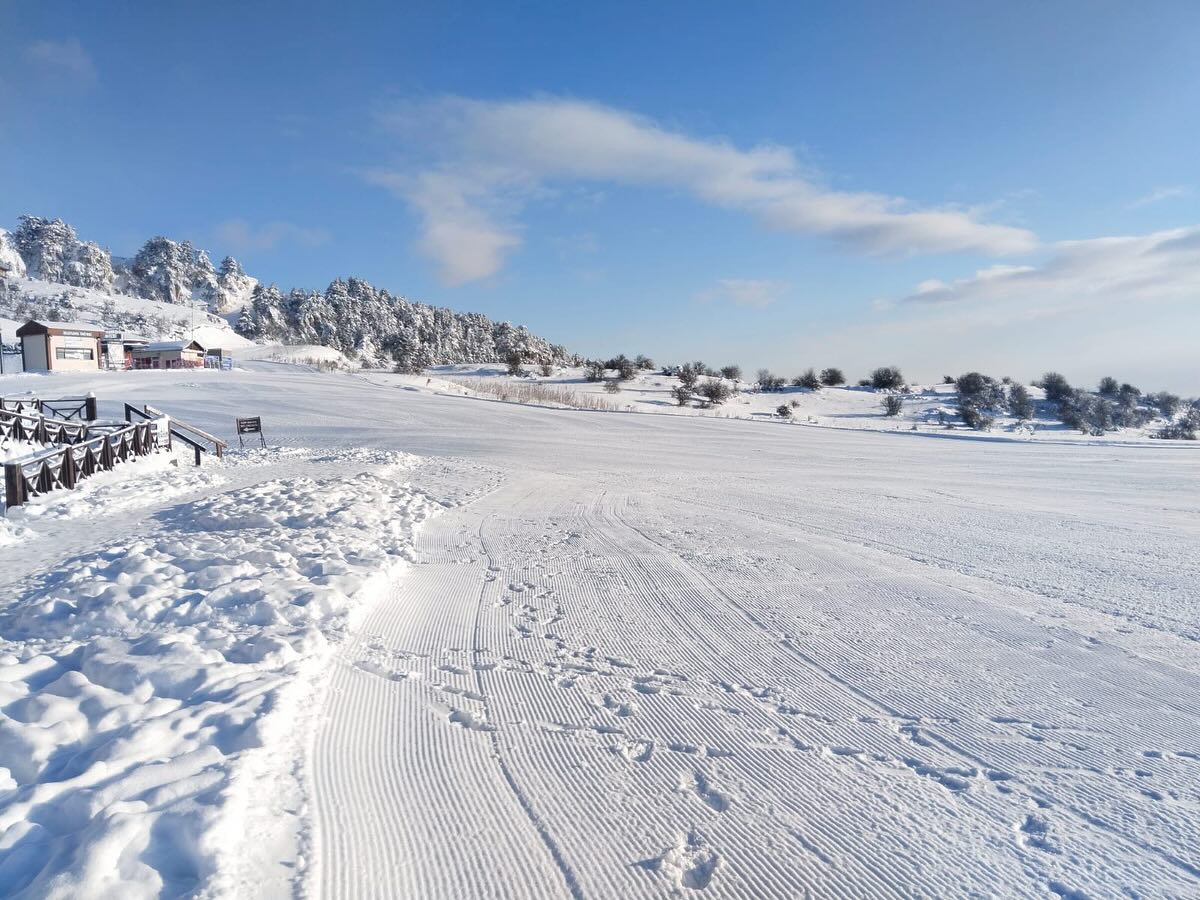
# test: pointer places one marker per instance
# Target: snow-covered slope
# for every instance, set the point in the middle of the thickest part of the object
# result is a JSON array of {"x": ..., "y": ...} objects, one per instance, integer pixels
[
  {"x": 636, "y": 656},
  {"x": 926, "y": 409}
]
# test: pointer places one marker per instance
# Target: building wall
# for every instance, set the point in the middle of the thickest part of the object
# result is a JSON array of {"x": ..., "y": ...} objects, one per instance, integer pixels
[
  {"x": 167, "y": 359},
  {"x": 64, "y": 351}
]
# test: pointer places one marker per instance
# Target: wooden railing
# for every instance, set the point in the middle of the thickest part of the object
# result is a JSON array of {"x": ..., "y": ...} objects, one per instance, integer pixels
[
  {"x": 200, "y": 441},
  {"x": 66, "y": 466},
  {"x": 79, "y": 409},
  {"x": 20, "y": 426}
]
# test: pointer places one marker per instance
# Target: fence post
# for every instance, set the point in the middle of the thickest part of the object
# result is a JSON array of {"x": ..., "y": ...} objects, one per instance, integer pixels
[
  {"x": 66, "y": 472},
  {"x": 14, "y": 485},
  {"x": 89, "y": 404}
]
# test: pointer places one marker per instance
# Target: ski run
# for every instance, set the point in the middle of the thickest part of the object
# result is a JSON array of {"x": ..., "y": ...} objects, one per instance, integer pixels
[{"x": 431, "y": 645}]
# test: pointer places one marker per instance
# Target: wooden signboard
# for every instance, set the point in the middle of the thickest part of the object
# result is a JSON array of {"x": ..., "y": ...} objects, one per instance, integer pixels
[{"x": 250, "y": 425}]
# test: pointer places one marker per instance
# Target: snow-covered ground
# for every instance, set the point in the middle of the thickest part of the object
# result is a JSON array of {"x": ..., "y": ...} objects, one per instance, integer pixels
[
  {"x": 926, "y": 409},
  {"x": 633, "y": 655}
]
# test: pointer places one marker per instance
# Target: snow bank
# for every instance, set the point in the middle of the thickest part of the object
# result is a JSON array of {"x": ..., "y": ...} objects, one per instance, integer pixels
[{"x": 138, "y": 680}]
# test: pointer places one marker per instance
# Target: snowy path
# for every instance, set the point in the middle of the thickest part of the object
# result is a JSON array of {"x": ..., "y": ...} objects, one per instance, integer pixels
[
  {"x": 574, "y": 696},
  {"x": 653, "y": 656}
]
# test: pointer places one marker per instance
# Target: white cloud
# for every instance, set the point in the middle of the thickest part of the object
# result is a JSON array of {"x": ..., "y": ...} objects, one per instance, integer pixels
[
  {"x": 64, "y": 58},
  {"x": 458, "y": 231},
  {"x": 749, "y": 292},
  {"x": 1164, "y": 265},
  {"x": 1160, "y": 194},
  {"x": 489, "y": 155},
  {"x": 242, "y": 237}
]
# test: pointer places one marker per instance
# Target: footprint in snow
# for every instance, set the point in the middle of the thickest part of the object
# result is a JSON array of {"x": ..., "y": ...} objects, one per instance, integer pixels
[{"x": 690, "y": 864}]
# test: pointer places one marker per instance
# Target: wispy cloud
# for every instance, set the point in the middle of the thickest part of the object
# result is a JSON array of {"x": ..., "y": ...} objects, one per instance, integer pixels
[
  {"x": 66, "y": 59},
  {"x": 1110, "y": 271},
  {"x": 749, "y": 292},
  {"x": 485, "y": 159},
  {"x": 1160, "y": 194},
  {"x": 242, "y": 237}
]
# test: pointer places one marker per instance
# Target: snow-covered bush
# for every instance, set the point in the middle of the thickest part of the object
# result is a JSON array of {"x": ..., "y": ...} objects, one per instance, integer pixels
[
  {"x": 682, "y": 395},
  {"x": 513, "y": 362},
  {"x": 688, "y": 376},
  {"x": 733, "y": 373},
  {"x": 612, "y": 386},
  {"x": 594, "y": 370},
  {"x": 783, "y": 411},
  {"x": 892, "y": 404},
  {"x": 1108, "y": 387},
  {"x": 642, "y": 361}
]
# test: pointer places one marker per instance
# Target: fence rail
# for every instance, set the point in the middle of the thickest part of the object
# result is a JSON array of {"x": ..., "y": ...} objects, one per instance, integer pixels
[
  {"x": 66, "y": 466},
  {"x": 79, "y": 409},
  {"x": 20, "y": 426}
]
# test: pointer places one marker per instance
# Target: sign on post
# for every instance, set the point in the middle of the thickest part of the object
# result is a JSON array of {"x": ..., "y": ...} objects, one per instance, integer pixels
[{"x": 250, "y": 425}]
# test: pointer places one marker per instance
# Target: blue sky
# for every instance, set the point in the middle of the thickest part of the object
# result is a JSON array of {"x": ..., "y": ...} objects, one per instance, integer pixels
[{"x": 1006, "y": 186}]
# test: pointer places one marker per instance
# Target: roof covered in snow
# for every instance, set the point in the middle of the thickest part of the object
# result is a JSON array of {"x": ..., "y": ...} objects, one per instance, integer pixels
[{"x": 39, "y": 327}]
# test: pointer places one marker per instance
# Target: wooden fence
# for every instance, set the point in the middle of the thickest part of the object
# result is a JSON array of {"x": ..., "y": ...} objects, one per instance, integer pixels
[
  {"x": 78, "y": 409},
  {"x": 22, "y": 426},
  {"x": 66, "y": 466}
]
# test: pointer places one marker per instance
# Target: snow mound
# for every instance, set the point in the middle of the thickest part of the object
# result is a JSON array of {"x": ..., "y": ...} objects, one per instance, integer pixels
[{"x": 139, "y": 680}]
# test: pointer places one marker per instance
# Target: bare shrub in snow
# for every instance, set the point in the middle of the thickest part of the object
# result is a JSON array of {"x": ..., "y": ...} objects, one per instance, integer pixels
[
  {"x": 973, "y": 417},
  {"x": 642, "y": 361},
  {"x": 533, "y": 392},
  {"x": 1128, "y": 395},
  {"x": 892, "y": 404},
  {"x": 594, "y": 370},
  {"x": 808, "y": 380},
  {"x": 769, "y": 382},
  {"x": 1108, "y": 387},
  {"x": 1019, "y": 403},
  {"x": 612, "y": 386},
  {"x": 625, "y": 367},
  {"x": 832, "y": 377},
  {"x": 688, "y": 376},
  {"x": 733, "y": 373},
  {"x": 887, "y": 378},
  {"x": 783, "y": 411},
  {"x": 715, "y": 391},
  {"x": 1167, "y": 404},
  {"x": 546, "y": 369},
  {"x": 1057, "y": 387},
  {"x": 682, "y": 395}
]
